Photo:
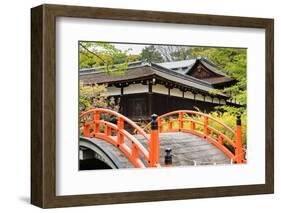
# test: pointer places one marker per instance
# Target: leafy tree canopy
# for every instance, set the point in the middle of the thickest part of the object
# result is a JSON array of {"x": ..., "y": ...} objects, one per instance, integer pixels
[
  {"x": 165, "y": 53},
  {"x": 105, "y": 55},
  {"x": 150, "y": 54},
  {"x": 95, "y": 97}
]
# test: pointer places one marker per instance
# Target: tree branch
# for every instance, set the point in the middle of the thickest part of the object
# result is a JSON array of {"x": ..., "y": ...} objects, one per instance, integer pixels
[
  {"x": 84, "y": 47},
  {"x": 105, "y": 63}
]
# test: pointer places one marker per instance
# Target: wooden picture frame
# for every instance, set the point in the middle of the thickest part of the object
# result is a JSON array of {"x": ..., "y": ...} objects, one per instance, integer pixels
[{"x": 43, "y": 105}]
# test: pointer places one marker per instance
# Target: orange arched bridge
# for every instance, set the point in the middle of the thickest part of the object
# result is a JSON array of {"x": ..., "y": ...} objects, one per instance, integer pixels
[{"x": 114, "y": 138}]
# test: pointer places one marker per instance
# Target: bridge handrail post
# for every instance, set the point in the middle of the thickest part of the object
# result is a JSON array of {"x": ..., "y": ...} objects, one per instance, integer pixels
[
  {"x": 154, "y": 142},
  {"x": 159, "y": 123},
  {"x": 192, "y": 125},
  {"x": 120, "y": 136},
  {"x": 96, "y": 117},
  {"x": 206, "y": 123},
  {"x": 171, "y": 121},
  {"x": 86, "y": 130},
  {"x": 239, "y": 153},
  {"x": 180, "y": 121}
]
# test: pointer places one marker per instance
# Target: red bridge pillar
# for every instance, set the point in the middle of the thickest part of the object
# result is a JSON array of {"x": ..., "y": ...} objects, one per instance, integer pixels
[
  {"x": 154, "y": 142},
  {"x": 239, "y": 153}
]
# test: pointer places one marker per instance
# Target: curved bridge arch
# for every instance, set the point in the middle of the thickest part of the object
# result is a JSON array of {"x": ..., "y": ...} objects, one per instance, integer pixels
[
  {"x": 93, "y": 123},
  {"x": 99, "y": 153}
]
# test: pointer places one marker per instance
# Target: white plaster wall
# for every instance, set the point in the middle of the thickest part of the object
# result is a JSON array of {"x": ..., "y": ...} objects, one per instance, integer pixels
[
  {"x": 135, "y": 88},
  {"x": 216, "y": 101},
  {"x": 113, "y": 91},
  {"x": 161, "y": 89},
  {"x": 176, "y": 92},
  {"x": 189, "y": 95},
  {"x": 222, "y": 101},
  {"x": 208, "y": 99},
  {"x": 231, "y": 100},
  {"x": 199, "y": 97}
]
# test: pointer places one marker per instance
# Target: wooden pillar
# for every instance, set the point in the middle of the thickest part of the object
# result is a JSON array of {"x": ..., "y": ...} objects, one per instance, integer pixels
[
  {"x": 168, "y": 100},
  {"x": 122, "y": 101},
  {"x": 150, "y": 87},
  {"x": 150, "y": 102}
]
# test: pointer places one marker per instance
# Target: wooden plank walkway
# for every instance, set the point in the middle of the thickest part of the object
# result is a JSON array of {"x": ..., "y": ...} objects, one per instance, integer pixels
[{"x": 187, "y": 150}]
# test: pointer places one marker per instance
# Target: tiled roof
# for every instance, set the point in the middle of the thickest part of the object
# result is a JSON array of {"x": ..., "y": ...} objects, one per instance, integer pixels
[
  {"x": 111, "y": 77},
  {"x": 178, "y": 64},
  {"x": 142, "y": 71},
  {"x": 185, "y": 66}
]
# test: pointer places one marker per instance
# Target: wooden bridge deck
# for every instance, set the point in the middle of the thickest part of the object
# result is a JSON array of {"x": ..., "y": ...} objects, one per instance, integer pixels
[{"x": 187, "y": 149}]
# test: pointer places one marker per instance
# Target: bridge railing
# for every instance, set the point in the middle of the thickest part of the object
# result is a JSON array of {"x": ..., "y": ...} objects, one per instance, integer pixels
[
  {"x": 93, "y": 123},
  {"x": 203, "y": 125}
]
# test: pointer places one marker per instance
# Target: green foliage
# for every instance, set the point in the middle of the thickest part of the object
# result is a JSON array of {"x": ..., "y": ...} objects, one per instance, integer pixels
[
  {"x": 150, "y": 54},
  {"x": 96, "y": 97},
  {"x": 182, "y": 53},
  {"x": 85, "y": 95},
  {"x": 104, "y": 55},
  {"x": 164, "y": 53},
  {"x": 229, "y": 118}
]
